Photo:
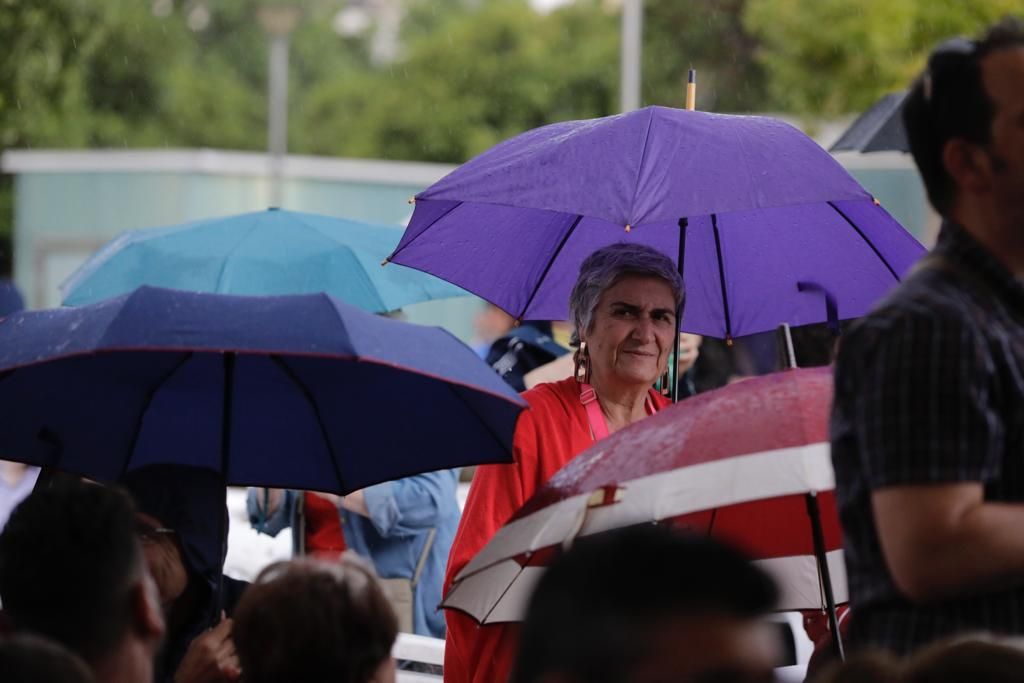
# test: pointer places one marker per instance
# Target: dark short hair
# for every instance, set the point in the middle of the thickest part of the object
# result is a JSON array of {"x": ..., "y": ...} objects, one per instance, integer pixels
[
  {"x": 69, "y": 558},
  {"x": 26, "y": 658},
  {"x": 592, "y": 613},
  {"x": 980, "y": 658},
  {"x": 307, "y": 621},
  {"x": 949, "y": 101}
]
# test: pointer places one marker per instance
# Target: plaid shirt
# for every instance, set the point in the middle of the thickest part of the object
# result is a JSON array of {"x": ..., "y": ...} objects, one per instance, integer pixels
[{"x": 930, "y": 388}]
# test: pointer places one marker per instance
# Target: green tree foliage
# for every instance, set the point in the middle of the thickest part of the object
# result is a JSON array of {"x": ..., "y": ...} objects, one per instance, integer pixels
[
  {"x": 78, "y": 73},
  {"x": 482, "y": 75},
  {"x": 707, "y": 35},
  {"x": 469, "y": 73},
  {"x": 828, "y": 57}
]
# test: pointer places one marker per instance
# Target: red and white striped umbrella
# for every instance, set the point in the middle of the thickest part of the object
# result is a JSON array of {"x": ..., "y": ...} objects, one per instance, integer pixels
[{"x": 738, "y": 463}]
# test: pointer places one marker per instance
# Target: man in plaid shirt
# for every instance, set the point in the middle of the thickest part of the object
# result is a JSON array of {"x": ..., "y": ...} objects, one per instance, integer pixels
[{"x": 928, "y": 423}]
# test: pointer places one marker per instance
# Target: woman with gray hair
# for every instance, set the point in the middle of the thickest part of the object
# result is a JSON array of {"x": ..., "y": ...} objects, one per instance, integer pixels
[{"x": 624, "y": 309}]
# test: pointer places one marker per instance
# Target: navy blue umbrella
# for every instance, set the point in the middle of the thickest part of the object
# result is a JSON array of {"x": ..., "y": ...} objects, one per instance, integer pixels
[{"x": 291, "y": 391}]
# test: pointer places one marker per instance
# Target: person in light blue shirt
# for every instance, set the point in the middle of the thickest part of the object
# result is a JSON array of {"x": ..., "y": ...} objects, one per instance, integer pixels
[{"x": 404, "y": 527}]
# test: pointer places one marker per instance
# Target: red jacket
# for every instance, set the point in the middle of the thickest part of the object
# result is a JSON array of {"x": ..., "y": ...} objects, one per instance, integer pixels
[{"x": 548, "y": 435}]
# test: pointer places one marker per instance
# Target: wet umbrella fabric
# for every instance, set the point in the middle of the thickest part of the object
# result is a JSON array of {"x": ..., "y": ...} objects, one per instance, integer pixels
[
  {"x": 737, "y": 463},
  {"x": 879, "y": 129},
  {"x": 293, "y": 391},
  {"x": 765, "y": 211},
  {"x": 265, "y": 253}
]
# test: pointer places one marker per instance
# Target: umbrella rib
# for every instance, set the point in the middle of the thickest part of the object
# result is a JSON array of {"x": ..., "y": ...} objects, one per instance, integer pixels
[
  {"x": 359, "y": 271},
  {"x": 501, "y": 597},
  {"x": 721, "y": 279},
  {"x": 145, "y": 409},
  {"x": 468, "y": 405},
  {"x": 547, "y": 268},
  {"x": 866, "y": 240},
  {"x": 308, "y": 395},
  {"x": 231, "y": 252},
  {"x": 429, "y": 226}
]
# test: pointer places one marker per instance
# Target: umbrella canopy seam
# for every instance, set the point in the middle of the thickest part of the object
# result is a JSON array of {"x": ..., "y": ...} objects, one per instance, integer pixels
[
  {"x": 547, "y": 268},
  {"x": 144, "y": 409},
  {"x": 317, "y": 414},
  {"x": 640, "y": 167},
  {"x": 866, "y": 240},
  {"x": 721, "y": 278},
  {"x": 402, "y": 246},
  {"x": 234, "y": 249},
  {"x": 362, "y": 274}
]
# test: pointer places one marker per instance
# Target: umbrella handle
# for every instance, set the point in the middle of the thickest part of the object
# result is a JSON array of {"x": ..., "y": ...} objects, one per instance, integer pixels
[{"x": 814, "y": 513}]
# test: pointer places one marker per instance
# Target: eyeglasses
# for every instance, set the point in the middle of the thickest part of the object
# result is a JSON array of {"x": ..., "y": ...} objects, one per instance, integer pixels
[
  {"x": 948, "y": 54},
  {"x": 151, "y": 534}
]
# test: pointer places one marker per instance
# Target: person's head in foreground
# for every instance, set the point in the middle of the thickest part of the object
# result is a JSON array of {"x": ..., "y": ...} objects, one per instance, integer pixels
[
  {"x": 71, "y": 570},
  {"x": 649, "y": 605},
  {"x": 181, "y": 522},
  {"x": 307, "y": 621},
  {"x": 978, "y": 658},
  {"x": 30, "y": 659},
  {"x": 624, "y": 310},
  {"x": 963, "y": 120},
  {"x": 868, "y": 666}
]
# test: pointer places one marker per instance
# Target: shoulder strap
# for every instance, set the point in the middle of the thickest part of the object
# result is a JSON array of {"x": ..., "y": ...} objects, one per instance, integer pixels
[
  {"x": 423, "y": 556},
  {"x": 598, "y": 425}
]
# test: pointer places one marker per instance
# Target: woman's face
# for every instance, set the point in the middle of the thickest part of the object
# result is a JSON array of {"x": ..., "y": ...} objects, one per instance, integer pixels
[{"x": 631, "y": 333}]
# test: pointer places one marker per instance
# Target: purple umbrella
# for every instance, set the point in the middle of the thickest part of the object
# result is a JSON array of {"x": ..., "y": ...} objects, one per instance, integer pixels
[{"x": 767, "y": 227}]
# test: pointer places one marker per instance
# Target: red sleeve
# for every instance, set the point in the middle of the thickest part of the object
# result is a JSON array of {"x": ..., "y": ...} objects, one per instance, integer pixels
[{"x": 474, "y": 653}]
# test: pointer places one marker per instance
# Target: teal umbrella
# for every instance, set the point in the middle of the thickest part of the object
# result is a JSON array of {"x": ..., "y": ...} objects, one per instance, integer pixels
[{"x": 272, "y": 252}]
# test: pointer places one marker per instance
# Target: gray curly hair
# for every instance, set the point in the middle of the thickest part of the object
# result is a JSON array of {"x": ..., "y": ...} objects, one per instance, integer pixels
[{"x": 605, "y": 267}]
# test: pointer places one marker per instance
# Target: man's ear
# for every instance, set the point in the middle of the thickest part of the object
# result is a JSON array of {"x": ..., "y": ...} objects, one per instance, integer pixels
[
  {"x": 147, "y": 613},
  {"x": 386, "y": 672},
  {"x": 968, "y": 165}
]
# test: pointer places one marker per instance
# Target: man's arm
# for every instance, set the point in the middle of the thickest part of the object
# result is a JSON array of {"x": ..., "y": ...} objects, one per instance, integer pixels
[
  {"x": 944, "y": 540},
  {"x": 407, "y": 506},
  {"x": 279, "y": 507}
]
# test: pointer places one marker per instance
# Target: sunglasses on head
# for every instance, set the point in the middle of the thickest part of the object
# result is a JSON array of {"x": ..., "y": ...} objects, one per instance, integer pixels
[
  {"x": 952, "y": 53},
  {"x": 148, "y": 533}
]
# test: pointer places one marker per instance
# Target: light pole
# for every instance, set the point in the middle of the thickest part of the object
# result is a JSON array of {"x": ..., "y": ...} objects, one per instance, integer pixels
[
  {"x": 278, "y": 21},
  {"x": 632, "y": 30}
]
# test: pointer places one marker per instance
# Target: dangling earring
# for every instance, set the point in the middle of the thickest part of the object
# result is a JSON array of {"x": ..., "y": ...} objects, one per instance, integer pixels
[
  {"x": 665, "y": 383},
  {"x": 582, "y": 361}
]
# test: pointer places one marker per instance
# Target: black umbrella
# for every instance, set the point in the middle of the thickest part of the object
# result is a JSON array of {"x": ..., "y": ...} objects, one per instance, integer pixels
[{"x": 879, "y": 129}]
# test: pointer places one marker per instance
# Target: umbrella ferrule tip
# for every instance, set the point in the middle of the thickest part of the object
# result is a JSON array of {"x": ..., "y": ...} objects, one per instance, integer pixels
[
  {"x": 385, "y": 262},
  {"x": 412, "y": 200}
]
